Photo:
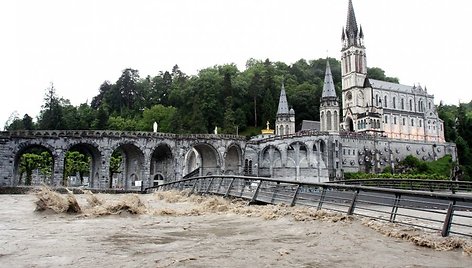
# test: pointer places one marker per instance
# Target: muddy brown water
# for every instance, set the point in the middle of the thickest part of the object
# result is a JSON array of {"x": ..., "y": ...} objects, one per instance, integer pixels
[{"x": 176, "y": 231}]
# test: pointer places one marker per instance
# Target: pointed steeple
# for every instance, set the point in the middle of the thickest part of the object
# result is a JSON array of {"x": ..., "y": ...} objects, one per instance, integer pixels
[
  {"x": 351, "y": 25},
  {"x": 328, "y": 87},
  {"x": 283, "y": 105}
]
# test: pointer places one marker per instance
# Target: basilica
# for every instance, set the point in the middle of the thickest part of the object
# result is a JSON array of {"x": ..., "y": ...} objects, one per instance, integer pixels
[{"x": 380, "y": 123}]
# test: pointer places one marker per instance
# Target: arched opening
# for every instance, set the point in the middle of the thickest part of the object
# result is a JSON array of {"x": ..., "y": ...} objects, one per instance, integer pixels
[
  {"x": 281, "y": 131},
  {"x": 126, "y": 167},
  {"x": 233, "y": 159},
  {"x": 82, "y": 165},
  {"x": 271, "y": 159},
  {"x": 202, "y": 158},
  {"x": 162, "y": 164},
  {"x": 335, "y": 121},
  {"x": 328, "y": 120},
  {"x": 34, "y": 165},
  {"x": 349, "y": 124}
]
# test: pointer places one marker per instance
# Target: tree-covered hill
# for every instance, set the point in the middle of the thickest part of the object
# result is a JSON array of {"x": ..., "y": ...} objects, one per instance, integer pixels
[{"x": 220, "y": 96}]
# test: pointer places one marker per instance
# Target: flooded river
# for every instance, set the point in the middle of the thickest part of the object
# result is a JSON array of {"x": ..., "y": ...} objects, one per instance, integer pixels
[{"x": 173, "y": 230}]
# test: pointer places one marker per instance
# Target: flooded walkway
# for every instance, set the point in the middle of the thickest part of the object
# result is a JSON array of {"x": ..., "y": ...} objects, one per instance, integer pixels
[{"x": 172, "y": 230}]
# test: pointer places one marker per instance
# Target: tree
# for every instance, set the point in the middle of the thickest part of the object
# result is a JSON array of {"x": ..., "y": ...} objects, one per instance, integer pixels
[
  {"x": 379, "y": 74},
  {"x": 115, "y": 165},
  {"x": 50, "y": 116},
  {"x": 160, "y": 114},
  {"x": 27, "y": 122},
  {"x": 76, "y": 163},
  {"x": 31, "y": 161}
]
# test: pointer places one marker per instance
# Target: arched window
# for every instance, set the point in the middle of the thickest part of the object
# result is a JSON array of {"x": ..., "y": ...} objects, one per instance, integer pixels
[
  {"x": 287, "y": 130},
  {"x": 386, "y": 119},
  {"x": 376, "y": 100},
  {"x": 335, "y": 121},
  {"x": 411, "y": 105},
  {"x": 250, "y": 167},
  {"x": 385, "y": 101},
  {"x": 429, "y": 105},
  {"x": 403, "y": 119},
  {"x": 394, "y": 101},
  {"x": 403, "y": 104},
  {"x": 328, "y": 120},
  {"x": 281, "y": 131}
]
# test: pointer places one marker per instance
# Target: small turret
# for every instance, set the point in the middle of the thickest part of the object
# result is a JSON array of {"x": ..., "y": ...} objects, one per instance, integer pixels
[
  {"x": 329, "y": 110},
  {"x": 285, "y": 119}
]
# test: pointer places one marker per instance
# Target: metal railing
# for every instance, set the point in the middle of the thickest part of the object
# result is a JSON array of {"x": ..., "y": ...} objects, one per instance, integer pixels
[
  {"x": 413, "y": 184},
  {"x": 442, "y": 212}
]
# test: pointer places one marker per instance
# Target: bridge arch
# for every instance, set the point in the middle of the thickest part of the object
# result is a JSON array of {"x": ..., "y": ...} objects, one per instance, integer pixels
[
  {"x": 233, "y": 159},
  {"x": 271, "y": 159},
  {"x": 40, "y": 170},
  {"x": 202, "y": 156},
  {"x": 162, "y": 164},
  {"x": 89, "y": 149},
  {"x": 131, "y": 169}
]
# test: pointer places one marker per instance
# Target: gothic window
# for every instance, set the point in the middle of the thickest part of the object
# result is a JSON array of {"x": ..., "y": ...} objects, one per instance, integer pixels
[
  {"x": 314, "y": 148},
  {"x": 394, "y": 103},
  {"x": 287, "y": 130},
  {"x": 411, "y": 105},
  {"x": 412, "y": 122},
  {"x": 421, "y": 123},
  {"x": 376, "y": 100},
  {"x": 385, "y": 101},
  {"x": 250, "y": 167},
  {"x": 386, "y": 120},
  {"x": 395, "y": 120},
  {"x": 429, "y": 105},
  {"x": 403, "y": 121},
  {"x": 335, "y": 121},
  {"x": 328, "y": 120},
  {"x": 403, "y": 104}
]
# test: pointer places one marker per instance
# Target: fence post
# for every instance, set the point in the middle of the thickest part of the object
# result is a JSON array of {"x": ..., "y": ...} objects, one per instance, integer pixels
[
  {"x": 193, "y": 187},
  {"x": 295, "y": 196},
  {"x": 396, "y": 203},
  {"x": 209, "y": 185},
  {"x": 353, "y": 203},
  {"x": 448, "y": 220},
  {"x": 219, "y": 185},
  {"x": 275, "y": 192},
  {"x": 322, "y": 197},
  {"x": 229, "y": 187},
  {"x": 253, "y": 199}
]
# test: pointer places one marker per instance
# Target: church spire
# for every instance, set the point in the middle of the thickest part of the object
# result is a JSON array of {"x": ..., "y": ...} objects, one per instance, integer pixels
[
  {"x": 328, "y": 87},
  {"x": 352, "y": 31},
  {"x": 283, "y": 105}
]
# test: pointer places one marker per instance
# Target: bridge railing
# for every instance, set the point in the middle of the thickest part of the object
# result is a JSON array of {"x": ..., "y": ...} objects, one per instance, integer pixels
[
  {"x": 440, "y": 212},
  {"x": 413, "y": 184}
]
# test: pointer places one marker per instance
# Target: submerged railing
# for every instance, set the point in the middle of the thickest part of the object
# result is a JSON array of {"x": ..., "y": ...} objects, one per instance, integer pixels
[
  {"x": 442, "y": 212},
  {"x": 413, "y": 184}
]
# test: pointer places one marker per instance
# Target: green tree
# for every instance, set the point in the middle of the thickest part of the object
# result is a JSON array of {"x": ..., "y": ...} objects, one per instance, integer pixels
[
  {"x": 76, "y": 163},
  {"x": 379, "y": 74},
  {"x": 161, "y": 115},
  {"x": 50, "y": 117}
]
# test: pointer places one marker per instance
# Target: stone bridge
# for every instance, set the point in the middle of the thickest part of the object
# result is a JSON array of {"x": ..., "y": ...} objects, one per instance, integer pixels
[{"x": 146, "y": 156}]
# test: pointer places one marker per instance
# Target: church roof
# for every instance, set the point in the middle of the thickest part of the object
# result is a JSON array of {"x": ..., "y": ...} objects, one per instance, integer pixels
[
  {"x": 310, "y": 125},
  {"x": 383, "y": 85},
  {"x": 283, "y": 104},
  {"x": 328, "y": 87}
]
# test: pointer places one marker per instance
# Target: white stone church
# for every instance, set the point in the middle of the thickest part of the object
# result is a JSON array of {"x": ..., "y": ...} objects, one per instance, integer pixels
[{"x": 380, "y": 124}]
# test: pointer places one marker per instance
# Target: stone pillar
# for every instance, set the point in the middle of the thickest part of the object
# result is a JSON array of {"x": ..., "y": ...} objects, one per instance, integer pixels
[
  {"x": 103, "y": 180},
  {"x": 58, "y": 168},
  {"x": 146, "y": 172}
]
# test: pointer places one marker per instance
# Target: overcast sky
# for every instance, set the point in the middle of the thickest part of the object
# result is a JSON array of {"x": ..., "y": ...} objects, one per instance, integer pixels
[{"x": 79, "y": 44}]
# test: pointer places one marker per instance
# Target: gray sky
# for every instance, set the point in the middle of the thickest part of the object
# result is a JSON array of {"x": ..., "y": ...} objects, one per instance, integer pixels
[{"x": 79, "y": 44}]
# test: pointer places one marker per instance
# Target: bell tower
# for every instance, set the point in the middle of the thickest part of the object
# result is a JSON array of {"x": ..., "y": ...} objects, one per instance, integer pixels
[
  {"x": 329, "y": 106},
  {"x": 356, "y": 91}
]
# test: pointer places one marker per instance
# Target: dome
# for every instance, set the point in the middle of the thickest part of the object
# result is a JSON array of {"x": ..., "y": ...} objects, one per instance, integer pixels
[{"x": 292, "y": 111}]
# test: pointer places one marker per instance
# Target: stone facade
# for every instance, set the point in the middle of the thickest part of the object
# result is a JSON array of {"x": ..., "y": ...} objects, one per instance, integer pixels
[{"x": 146, "y": 156}]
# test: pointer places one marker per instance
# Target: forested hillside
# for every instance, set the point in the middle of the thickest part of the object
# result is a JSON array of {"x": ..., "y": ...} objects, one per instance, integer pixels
[{"x": 220, "y": 96}]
